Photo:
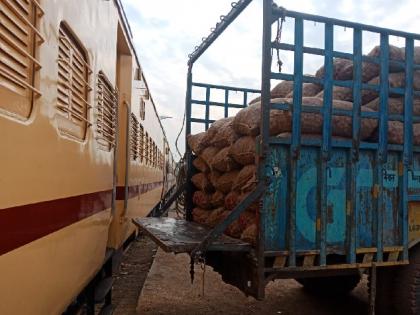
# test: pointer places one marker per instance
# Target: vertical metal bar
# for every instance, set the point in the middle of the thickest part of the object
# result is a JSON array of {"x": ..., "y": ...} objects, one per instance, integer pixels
[
  {"x": 207, "y": 107},
  {"x": 383, "y": 142},
  {"x": 188, "y": 153},
  {"x": 326, "y": 141},
  {"x": 226, "y": 103},
  {"x": 265, "y": 124},
  {"x": 354, "y": 159},
  {"x": 295, "y": 146},
  {"x": 408, "y": 138},
  {"x": 245, "y": 98}
]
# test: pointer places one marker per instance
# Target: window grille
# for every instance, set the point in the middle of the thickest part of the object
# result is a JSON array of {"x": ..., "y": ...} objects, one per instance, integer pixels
[
  {"x": 19, "y": 40},
  {"x": 73, "y": 85},
  {"x": 134, "y": 137}
]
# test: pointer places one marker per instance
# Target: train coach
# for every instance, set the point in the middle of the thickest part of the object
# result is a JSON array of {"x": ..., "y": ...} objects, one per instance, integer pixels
[{"x": 82, "y": 152}]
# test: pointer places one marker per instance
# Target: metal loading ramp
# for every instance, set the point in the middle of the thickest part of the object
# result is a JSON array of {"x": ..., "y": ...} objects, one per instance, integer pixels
[{"x": 181, "y": 236}]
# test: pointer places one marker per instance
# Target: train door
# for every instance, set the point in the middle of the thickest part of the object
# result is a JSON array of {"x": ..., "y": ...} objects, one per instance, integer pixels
[{"x": 120, "y": 222}]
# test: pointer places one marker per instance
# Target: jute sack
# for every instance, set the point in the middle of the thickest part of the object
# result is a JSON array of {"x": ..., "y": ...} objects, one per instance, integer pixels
[
  {"x": 371, "y": 70},
  {"x": 201, "y": 182},
  {"x": 201, "y": 165},
  {"x": 416, "y": 56},
  {"x": 197, "y": 142},
  {"x": 224, "y": 182},
  {"x": 396, "y": 132},
  {"x": 214, "y": 128},
  {"x": 247, "y": 173},
  {"x": 243, "y": 150},
  {"x": 312, "y": 122},
  {"x": 250, "y": 234},
  {"x": 225, "y": 135},
  {"x": 231, "y": 200},
  {"x": 254, "y": 207},
  {"x": 217, "y": 199},
  {"x": 202, "y": 199},
  {"x": 208, "y": 154},
  {"x": 214, "y": 218},
  {"x": 247, "y": 120},
  {"x": 338, "y": 74},
  {"x": 308, "y": 89},
  {"x": 395, "y": 105},
  {"x": 200, "y": 215},
  {"x": 346, "y": 94},
  {"x": 246, "y": 218},
  {"x": 223, "y": 162},
  {"x": 214, "y": 176},
  {"x": 282, "y": 89}
]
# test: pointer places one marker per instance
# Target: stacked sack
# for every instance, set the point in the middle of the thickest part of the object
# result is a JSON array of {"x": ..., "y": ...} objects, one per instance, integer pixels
[{"x": 225, "y": 154}]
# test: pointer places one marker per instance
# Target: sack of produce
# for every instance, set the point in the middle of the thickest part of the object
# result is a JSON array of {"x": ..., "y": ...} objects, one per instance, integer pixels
[
  {"x": 201, "y": 165},
  {"x": 215, "y": 217},
  {"x": 396, "y": 133},
  {"x": 247, "y": 173},
  {"x": 208, "y": 154},
  {"x": 338, "y": 74},
  {"x": 200, "y": 215},
  {"x": 197, "y": 142},
  {"x": 214, "y": 128},
  {"x": 416, "y": 56},
  {"x": 311, "y": 123},
  {"x": 223, "y": 162},
  {"x": 201, "y": 182},
  {"x": 250, "y": 234},
  {"x": 225, "y": 135},
  {"x": 231, "y": 200},
  {"x": 214, "y": 176},
  {"x": 243, "y": 150},
  {"x": 254, "y": 207},
  {"x": 371, "y": 70},
  {"x": 395, "y": 105},
  {"x": 246, "y": 218},
  {"x": 202, "y": 199},
  {"x": 217, "y": 199},
  {"x": 282, "y": 89},
  {"x": 308, "y": 89},
  {"x": 247, "y": 120},
  {"x": 224, "y": 182}
]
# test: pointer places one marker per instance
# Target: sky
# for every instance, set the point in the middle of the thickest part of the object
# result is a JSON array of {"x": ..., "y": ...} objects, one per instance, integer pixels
[{"x": 165, "y": 32}]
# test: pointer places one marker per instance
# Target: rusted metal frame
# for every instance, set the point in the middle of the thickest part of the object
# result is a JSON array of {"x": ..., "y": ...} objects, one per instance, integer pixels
[
  {"x": 338, "y": 266},
  {"x": 225, "y": 21},
  {"x": 321, "y": 226},
  {"x": 408, "y": 138},
  {"x": 382, "y": 153},
  {"x": 188, "y": 152},
  {"x": 211, "y": 103},
  {"x": 233, "y": 215},
  {"x": 207, "y": 117},
  {"x": 263, "y": 148},
  {"x": 347, "y": 24},
  {"x": 226, "y": 108},
  {"x": 296, "y": 137},
  {"x": 351, "y": 205}
]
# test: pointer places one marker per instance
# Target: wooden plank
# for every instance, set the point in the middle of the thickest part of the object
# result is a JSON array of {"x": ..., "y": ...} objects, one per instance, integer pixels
[{"x": 181, "y": 236}]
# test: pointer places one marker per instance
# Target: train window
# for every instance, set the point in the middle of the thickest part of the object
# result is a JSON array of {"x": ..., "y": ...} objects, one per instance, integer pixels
[
  {"x": 73, "y": 85},
  {"x": 106, "y": 108},
  {"x": 134, "y": 137},
  {"x": 151, "y": 151},
  {"x": 137, "y": 74},
  {"x": 142, "y": 109},
  {"x": 19, "y": 39},
  {"x": 141, "y": 146},
  {"x": 146, "y": 150},
  {"x": 146, "y": 94}
]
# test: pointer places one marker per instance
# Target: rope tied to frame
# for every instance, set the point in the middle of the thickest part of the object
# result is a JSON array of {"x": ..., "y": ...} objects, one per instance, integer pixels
[{"x": 278, "y": 39}]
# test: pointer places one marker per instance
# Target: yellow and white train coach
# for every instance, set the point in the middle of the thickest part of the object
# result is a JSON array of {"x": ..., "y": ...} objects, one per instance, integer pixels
[{"x": 82, "y": 149}]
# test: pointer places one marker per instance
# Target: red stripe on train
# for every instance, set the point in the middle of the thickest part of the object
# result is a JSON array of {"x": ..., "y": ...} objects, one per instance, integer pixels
[{"x": 23, "y": 224}]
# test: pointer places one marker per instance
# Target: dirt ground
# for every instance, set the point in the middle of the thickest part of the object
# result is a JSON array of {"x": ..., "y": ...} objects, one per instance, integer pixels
[{"x": 167, "y": 290}]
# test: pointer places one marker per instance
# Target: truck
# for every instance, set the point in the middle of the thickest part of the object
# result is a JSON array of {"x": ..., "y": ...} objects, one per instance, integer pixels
[{"x": 331, "y": 209}]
